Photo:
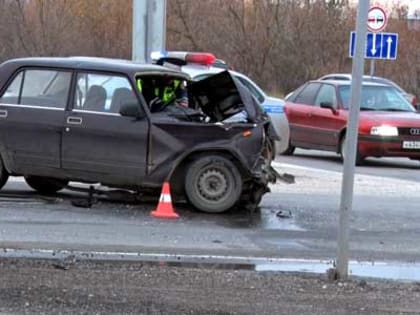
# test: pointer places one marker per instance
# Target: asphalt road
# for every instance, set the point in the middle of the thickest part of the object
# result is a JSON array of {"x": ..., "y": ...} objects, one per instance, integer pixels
[
  {"x": 296, "y": 221},
  {"x": 402, "y": 168}
]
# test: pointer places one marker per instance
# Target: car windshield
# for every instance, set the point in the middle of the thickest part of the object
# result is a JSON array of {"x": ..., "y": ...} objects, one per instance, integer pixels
[{"x": 379, "y": 98}]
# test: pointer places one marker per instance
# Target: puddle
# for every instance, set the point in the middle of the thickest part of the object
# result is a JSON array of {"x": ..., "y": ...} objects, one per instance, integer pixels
[
  {"x": 266, "y": 218},
  {"x": 269, "y": 219},
  {"x": 380, "y": 270}
]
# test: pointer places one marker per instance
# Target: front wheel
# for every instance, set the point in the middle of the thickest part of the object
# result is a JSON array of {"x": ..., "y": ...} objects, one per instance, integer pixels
[
  {"x": 45, "y": 185},
  {"x": 213, "y": 184},
  {"x": 359, "y": 158}
]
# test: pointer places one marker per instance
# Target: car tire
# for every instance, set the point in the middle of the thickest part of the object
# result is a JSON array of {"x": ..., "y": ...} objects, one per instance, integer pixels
[
  {"x": 45, "y": 185},
  {"x": 4, "y": 175},
  {"x": 359, "y": 158},
  {"x": 289, "y": 150},
  {"x": 213, "y": 184}
]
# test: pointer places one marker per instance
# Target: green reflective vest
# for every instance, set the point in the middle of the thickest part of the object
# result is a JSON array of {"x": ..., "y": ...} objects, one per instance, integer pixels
[{"x": 167, "y": 94}]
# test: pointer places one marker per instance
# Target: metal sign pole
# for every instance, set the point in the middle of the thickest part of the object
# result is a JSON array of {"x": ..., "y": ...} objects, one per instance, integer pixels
[
  {"x": 139, "y": 31},
  {"x": 372, "y": 67},
  {"x": 156, "y": 26},
  {"x": 149, "y": 28},
  {"x": 351, "y": 142}
]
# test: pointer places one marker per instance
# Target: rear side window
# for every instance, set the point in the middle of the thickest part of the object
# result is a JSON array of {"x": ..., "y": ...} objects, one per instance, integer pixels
[
  {"x": 103, "y": 92},
  {"x": 307, "y": 95},
  {"x": 46, "y": 88}
]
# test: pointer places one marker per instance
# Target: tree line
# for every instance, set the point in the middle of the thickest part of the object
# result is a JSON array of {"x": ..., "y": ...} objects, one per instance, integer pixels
[{"x": 278, "y": 43}]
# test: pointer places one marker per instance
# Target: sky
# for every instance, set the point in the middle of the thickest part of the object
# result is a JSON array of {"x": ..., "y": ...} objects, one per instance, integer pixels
[{"x": 413, "y": 5}]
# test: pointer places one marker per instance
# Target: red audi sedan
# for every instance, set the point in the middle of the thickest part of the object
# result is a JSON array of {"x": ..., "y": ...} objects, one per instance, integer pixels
[{"x": 318, "y": 113}]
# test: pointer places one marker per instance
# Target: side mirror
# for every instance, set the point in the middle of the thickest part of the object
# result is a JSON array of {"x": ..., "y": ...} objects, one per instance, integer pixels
[
  {"x": 330, "y": 106},
  {"x": 131, "y": 110}
]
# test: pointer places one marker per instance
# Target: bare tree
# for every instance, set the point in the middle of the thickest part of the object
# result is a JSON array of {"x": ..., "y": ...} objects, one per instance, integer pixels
[{"x": 278, "y": 43}]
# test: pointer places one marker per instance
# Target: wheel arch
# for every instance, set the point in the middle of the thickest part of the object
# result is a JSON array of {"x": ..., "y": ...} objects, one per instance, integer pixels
[{"x": 5, "y": 159}]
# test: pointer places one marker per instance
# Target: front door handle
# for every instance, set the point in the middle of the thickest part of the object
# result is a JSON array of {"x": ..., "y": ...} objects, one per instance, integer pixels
[
  {"x": 74, "y": 120},
  {"x": 3, "y": 113}
]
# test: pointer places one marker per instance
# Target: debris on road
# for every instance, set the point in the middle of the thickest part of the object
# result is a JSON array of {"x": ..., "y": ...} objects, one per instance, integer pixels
[{"x": 284, "y": 214}]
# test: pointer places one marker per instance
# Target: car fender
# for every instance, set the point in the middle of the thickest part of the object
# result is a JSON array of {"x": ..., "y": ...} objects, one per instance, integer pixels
[{"x": 201, "y": 150}]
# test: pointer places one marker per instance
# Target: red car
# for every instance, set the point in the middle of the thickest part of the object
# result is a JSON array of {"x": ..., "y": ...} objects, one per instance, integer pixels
[{"x": 318, "y": 113}]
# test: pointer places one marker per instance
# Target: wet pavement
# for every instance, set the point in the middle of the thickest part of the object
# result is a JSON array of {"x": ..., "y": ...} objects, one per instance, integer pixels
[{"x": 295, "y": 229}]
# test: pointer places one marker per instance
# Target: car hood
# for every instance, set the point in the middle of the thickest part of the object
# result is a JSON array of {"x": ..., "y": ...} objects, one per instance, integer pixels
[
  {"x": 392, "y": 118},
  {"x": 219, "y": 90},
  {"x": 269, "y": 100}
]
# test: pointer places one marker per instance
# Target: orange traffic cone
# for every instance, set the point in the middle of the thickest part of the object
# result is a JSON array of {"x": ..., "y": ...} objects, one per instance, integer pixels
[{"x": 164, "y": 209}]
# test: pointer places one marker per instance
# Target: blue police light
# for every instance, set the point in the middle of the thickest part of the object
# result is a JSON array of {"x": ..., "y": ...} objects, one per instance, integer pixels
[{"x": 156, "y": 55}]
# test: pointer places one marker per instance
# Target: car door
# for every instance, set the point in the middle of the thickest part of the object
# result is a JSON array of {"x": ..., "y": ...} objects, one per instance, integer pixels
[
  {"x": 299, "y": 111},
  {"x": 32, "y": 111},
  {"x": 327, "y": 122},
  {"x": 98, "y": 143}
]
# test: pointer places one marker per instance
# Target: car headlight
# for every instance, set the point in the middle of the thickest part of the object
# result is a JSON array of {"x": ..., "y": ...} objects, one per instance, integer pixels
[{"x": 387, "y": 131}]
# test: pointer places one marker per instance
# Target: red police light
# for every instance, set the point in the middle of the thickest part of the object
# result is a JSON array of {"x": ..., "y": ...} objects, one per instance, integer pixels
[{"x": 200, "y": 58}]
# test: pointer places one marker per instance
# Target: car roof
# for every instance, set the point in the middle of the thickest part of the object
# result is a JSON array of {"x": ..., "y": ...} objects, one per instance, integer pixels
[
  {"x": 87, "y": 63},
  {"x": 348, "y": 83},
  {"x": 195, "y": 70},
  {"x": 347, "y": 76}
]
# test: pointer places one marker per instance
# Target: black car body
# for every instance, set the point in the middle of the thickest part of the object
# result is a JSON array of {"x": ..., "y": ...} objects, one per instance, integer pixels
[{"x": 85, "y": 119}]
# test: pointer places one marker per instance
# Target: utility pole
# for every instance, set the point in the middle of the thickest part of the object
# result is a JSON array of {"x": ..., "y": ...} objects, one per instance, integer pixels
[
  {"x": 149, "y": 28},
  {"x": 139, "y": 29},
  {"x": 351, "y": 141}
]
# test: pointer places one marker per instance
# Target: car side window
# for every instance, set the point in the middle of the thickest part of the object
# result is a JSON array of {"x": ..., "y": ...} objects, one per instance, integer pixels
[
  {"x": 307, "y": 95},
  {"x": 46, "y": 88},
  {"x": 326, "y": 94},
  {"x": 252, "y": 89},
  {"x": 103, "y": 92}
]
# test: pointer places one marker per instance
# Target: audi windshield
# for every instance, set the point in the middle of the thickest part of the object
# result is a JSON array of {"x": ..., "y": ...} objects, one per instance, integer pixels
[{"x": 378, "y": 98}]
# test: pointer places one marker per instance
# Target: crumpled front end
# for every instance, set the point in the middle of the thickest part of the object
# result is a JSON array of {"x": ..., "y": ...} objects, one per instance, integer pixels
[{"x": 262, "y": 172}]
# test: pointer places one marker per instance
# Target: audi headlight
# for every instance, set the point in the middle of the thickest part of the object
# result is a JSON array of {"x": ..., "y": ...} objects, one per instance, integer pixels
[{"x": 385, "y": 131}]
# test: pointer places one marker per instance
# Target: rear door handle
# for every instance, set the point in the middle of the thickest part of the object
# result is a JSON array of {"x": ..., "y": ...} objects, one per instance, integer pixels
[
  {"x": 74, "y": 120},
  {"x": 3, "y": 113}
]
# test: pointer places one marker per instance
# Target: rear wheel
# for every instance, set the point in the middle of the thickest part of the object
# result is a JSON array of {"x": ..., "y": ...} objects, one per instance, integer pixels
[
  {"x": 213, "y": 184},
  {"x": 359, "y": 158},
  {"x": 45, "y": 185},
  {"x": 4, "y": 175}
]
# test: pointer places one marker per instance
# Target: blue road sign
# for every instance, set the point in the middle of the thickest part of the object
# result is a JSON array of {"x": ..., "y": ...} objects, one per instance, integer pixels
[{"x": 378, "y": 45}]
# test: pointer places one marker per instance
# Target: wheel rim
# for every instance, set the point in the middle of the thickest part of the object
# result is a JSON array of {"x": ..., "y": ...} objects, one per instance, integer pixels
[{"x": 213, "y": 185}]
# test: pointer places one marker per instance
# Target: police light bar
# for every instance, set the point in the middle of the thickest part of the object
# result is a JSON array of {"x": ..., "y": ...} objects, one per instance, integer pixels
[{"x": 202, "y": 58}]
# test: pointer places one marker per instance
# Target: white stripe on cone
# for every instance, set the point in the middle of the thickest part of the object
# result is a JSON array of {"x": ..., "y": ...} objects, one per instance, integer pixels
[{"x": 165, "y": 198}]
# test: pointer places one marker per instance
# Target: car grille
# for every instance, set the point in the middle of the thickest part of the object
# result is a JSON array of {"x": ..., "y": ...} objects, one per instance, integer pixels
[{"x": 410, "y": 131}]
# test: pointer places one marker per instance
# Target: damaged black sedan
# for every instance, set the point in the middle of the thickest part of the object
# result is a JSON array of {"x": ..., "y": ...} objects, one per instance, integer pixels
[{"x": 121, "y": 124}]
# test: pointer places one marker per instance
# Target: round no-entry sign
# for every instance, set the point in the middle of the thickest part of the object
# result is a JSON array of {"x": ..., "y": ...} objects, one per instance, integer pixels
[{"x": 377, "y": 19}]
